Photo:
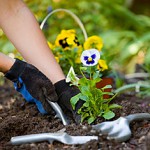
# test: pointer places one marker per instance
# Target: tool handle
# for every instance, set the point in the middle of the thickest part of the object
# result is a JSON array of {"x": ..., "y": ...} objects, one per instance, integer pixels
[
  {"x": 138, "y": 116},
  {"x": 30, "y": 138}
]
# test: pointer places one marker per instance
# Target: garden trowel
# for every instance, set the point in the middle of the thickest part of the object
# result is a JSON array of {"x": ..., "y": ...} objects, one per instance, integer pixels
[
  {"x": 119, "y": 129},
  {"x": 50, "y": 137}
]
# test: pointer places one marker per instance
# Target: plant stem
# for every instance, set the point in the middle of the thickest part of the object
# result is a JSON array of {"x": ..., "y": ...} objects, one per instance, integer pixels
[
  {"x": 82, "y": 73},
  {"x": 90, "y": 72}
]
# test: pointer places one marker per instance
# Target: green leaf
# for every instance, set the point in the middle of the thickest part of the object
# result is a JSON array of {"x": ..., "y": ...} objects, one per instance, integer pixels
[
  {"x": 91, "y": 119},
  {"x": 113, "y": 106},
  {"x": 96, "y": 75},
  {"x": 85, "y": 91},
  {"x": 108, "y": 115},
  {"x": 74, "y": 100},
  {"x": 83, "y": 97},
  {"x": 83, "y": 81},
  {"x": 86, "y": 104},
  {"x": 97, "y": 80},
  {"x": 93, "y": 82},
  {"x": 83, "y": 68},
  {"x": 84, "y": 116}
]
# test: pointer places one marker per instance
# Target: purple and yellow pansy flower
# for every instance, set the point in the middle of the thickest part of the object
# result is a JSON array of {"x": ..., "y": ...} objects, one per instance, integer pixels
[{"x": 90, "y": 57}]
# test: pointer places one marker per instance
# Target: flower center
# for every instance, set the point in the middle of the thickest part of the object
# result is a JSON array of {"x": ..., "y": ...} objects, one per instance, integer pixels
[{"x": 90, "y": 59}]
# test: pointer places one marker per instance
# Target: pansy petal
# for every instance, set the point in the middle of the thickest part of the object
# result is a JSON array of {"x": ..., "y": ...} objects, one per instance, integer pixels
[
  {"x": 85, "y": 57},
  {"x": 94, "y": 42},
  {"x": 93, "y": 56}
]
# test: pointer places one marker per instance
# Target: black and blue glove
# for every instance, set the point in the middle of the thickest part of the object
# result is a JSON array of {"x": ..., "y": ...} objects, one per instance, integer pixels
[{"x": 33, "y": 85}]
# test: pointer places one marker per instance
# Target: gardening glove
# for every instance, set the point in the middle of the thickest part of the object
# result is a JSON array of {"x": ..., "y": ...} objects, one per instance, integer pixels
[
  {"x": 33, "y": 85},
  {"x": 65, "y": 92}
]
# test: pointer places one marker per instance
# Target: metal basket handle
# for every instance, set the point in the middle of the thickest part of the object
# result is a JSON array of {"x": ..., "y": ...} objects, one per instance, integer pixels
[{"x": 72, "y": 15}]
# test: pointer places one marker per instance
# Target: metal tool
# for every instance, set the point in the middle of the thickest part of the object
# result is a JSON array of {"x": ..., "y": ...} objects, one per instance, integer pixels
[
  {"x": 59, "y": 112},
  {"x": 50, "y": 137},
  {"x": 119, "y": 129}
]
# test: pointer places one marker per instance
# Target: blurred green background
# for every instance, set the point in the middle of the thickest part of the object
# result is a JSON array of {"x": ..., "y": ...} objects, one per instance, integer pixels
[{"x": 124, "y": 26}]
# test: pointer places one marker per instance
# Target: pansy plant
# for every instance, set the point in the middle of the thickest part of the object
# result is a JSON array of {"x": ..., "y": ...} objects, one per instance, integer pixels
[{"x": 95, "y": 105}]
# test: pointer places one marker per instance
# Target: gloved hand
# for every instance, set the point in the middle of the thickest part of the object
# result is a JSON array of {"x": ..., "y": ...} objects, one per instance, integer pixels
[
  {"x": 33, "y": 85},
  {"x": 65, "y": 92}
]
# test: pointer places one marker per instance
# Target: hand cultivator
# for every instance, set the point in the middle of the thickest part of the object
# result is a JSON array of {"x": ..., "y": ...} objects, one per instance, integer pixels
[{"x": 119, "y": 129}]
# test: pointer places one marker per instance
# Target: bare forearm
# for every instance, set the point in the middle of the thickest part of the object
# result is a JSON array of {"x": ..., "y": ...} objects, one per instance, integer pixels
[
  {"x": 22, "y": 29},
  {"x": 5, "y": 63}
]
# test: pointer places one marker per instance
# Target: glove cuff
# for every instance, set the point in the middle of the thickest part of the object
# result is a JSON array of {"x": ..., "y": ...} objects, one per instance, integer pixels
[{"x": 16, "y": 70}]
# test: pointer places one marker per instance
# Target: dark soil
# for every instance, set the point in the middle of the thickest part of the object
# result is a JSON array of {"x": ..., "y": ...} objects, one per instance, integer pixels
[{"x": 20, "y": 118}]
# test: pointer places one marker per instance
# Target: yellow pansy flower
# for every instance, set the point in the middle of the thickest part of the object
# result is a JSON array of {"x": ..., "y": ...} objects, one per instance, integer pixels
[
  {"x": 93, "y": 42},
  {"x": 102, "y": 65},
  {"x": 66, "y": 39}
]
